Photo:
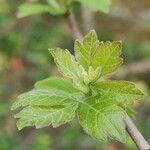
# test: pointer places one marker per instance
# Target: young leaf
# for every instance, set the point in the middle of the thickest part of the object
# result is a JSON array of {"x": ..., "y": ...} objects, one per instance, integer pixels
[
  {"x": 42, "y": 97},
  {"x": 56, "y": 83},
  {"x": 98, "y": 54},
  {"x": 102, "y": 120},
  {"x": 92, "y": 75},
  {"x": 103, "y": 105},
  {"x": 85, "y": 51},
  {"x": 44, "y": 107},
  {"x": 67, "y": 64},
  {"x": 120, "y": 92},
  {"x": 45, "y": 116},
  {"x": 97, "y": 5},
  {"x": 107, "y": 56}
]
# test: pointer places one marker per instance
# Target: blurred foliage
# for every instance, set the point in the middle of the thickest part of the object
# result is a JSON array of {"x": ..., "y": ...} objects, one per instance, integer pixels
[{"x": 24, "y": 60}]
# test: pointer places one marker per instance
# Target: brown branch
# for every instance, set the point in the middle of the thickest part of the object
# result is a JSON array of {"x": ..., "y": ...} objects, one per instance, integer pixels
[
  {"x": 135, "y": 134},
  {"x": 73, "y": 25}
]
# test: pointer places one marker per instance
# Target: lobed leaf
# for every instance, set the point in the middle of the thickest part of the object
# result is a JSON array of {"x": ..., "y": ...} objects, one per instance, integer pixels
[
  {"x": 101, "y": 106},
  {"x": 65, "y": 62},
  {"x": 95, "y": 54},
  {"x": 107, "y": 56},
  {"x": 56, "y": 83},
  {"x": 43, "y": 97},
  {"x": 120, "y": 92},
  {"x": 44, "y": 106},
  {"x": 67, "y": 65},
  {"x": 44, "y": 116},
  {"x": 84, "y": 51},
  {"x": 102, "y": 120}
]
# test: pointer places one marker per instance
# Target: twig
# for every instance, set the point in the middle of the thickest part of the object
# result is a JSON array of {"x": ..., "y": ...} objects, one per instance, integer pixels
[
  {"x": 73, "y": 25},
  {"x": 135, "y": 134}
]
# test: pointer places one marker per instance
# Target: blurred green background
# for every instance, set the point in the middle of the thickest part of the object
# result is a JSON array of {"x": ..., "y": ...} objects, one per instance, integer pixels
[{"x": 24, "y": 59}]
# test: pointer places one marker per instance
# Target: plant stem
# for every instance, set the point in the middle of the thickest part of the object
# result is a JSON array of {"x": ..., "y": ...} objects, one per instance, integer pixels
[
  {"x": 72, "y": 23},
  {"x": 134, "y": 133}
]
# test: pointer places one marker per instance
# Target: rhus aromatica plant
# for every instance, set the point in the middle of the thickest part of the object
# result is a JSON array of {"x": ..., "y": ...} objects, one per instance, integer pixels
[{"x": 101, "y": 105}]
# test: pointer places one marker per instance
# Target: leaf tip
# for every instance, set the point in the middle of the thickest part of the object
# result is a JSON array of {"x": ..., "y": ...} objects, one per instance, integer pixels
[{"x": 92, "y": 33}]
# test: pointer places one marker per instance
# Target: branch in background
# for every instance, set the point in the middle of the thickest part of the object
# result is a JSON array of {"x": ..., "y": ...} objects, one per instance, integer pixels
[
  {"x": 135, "y": 134},
  {"x": 127, "y": 71},
  {"x": 88, "y": 19},
  {"x": 73, "y": 25}
]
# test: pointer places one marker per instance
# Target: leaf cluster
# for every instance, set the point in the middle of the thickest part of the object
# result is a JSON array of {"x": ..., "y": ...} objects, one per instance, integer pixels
[
  {"x": 60, "y": 7},
  {"x": 99, "y": 104}
]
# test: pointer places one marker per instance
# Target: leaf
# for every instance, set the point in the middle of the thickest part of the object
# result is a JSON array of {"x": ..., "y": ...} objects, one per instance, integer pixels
[
  {"x": 92, "y": 75},
  {"x": 120, "y": 92},
  {"x": 107, "y": 56},
  {"x": 56, "y": 83},
  {"x": 42, "y": 117},
  {"x": 95, "y": 54},
  {"x": 97, "y": 5},
  {"x": 84, "y": 52},
  {"x": 102, "y": 120},
  {"x": 32, "y": 9},
  {"x": 44, "y": 107},
  {"x": 101, "y": 106},
  {"x": 65, "y": 62},
  {"x": 67, "y": 65}
]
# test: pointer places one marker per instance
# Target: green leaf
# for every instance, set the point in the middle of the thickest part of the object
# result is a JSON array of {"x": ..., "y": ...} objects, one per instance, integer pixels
[
  {"x": 101, "y": 106},
  {"x": 67, "y": 65},
  {"x": 36, "y": 8},
  {"x": 85, "y": 51},
  {"x": 44, "y": 97},
  {"x": 32, "y": 9},
  {"x": 56, "y": 83},
  {"x": 97, "y": 5},
  {"x": 102, "y": 120},
  {"x": 65, "y": 62},
  {"x": 42, "y": 117},
  {"x": 107, "y": 56},
  {"x": 98, "y": 54},
  {"x": 120, "y": 92},
  {"x": 92, "y": 75},
  {"x": 44, "y": 107}
]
